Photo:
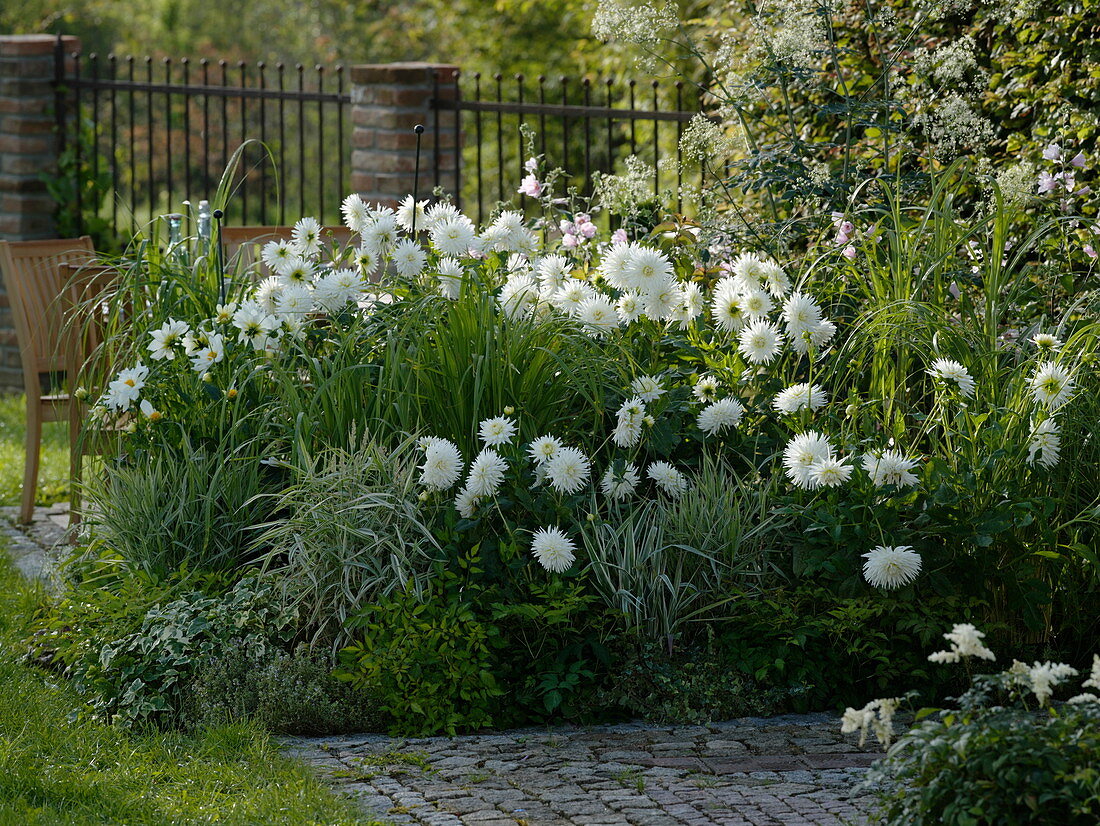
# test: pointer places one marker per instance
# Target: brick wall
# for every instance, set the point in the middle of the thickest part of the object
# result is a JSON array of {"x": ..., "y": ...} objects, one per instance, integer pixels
[
  {"x": 28, "y": 148},
  {"x": 387, "y": 101}
]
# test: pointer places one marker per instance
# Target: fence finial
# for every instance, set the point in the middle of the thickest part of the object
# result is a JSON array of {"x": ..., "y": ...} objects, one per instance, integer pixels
[{"x": 419, "y": 130}]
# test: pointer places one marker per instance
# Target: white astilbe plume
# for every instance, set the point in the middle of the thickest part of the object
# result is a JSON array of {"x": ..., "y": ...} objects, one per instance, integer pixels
[
  {"x": 966, "y": 641},
  {"x": 876, "y": 716},
  {"x": 1043, "y": 677}
]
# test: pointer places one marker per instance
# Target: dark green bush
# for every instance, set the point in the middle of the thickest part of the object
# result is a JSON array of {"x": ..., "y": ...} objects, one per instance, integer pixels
[
  {"x": 1003, "y": 766},
  {"x": 286, "y": 694},
  {"x": 428, "y": 660}
]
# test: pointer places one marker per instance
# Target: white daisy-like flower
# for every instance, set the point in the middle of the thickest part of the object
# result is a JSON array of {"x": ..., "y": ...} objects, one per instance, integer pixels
[
  {"x": 801, "y": 315},
  {"x": 629, "y": 307},
  {"x": 614, "y": 264},
  {"x": 966, "y": 641},
  {"x": 800, "y": 397},
  {"x": 890, "y": 467},
  {"x": 405, "y": 213},
  {"x": 760, "y": 342},
  {"x": 757, "y": 304},
  {"x": 166, "y": 339},
  {"x": 409, "y": 258},
  {"x": 126, "y": 389},
  {"x": 1046, "y": 443},
  {"x": 647, "y": 388},
  {"x": 829, "y": 472},
  {"x": 380, "y": 234},
  {"x": 1046, "y": 341},
  {"x": 691, "y": 305},
  {"x": 706, "y": 388},
  {"x": 646, "y": 270},
  {"x": 802, "y": 453},
  {"x": 439, "y": 212},
  {"x": 891, "y": 567},
  {"x": 356, "y": 213},
  {"x": 442, "y": 465},
  {"x": 150, "y": 412},
  {"x": 750, "y": 271},
  {"x": 667, "y": 478},
  {"x": 295, "y": 270},
  {"x": 449, "y": 274},
  {"x": 208, "y": 355},
  {"x": 776, "y": 280},
  {"x": 454, "y": 236},
  {"x": 497, "y": 431},
  {"x": 553, "y": 549},
  {"x": 662, "y": 304},
  {"x": 567, "y": 470},
  {"x": 466, "y": 503},
  {"x": 274, "y": 253},
  {"x": 619, "y": 485},
  {"x": 519, "y": 295},
  {"x": 632, "y": 410},
  {"x": 544, "y": 448},
  {"x": 255, "y": 325},
  {"x": 1051, "y": 384},
  {"x": 627, "y": 432},
  {"x": 719, "y": 415},
  {"x": 572, "y": 295},
  {"x": 950, "y": 370},
  {"x": 598, "y": 315},
  {"x": 335, "y": 290},
  {"x": 305, "y": 238},
  {"x": 223, "y": 313},
  {"x": 294, "y": 300},
  {"x": 726, "y": 307},
  {"x": 486, "y": 473},
  {"x": 366, "y": 260},
  {"x": 553, "y": 271}
]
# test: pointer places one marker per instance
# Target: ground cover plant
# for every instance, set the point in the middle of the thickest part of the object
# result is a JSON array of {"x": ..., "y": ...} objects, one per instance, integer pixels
[{"x": 60, "y": 767}]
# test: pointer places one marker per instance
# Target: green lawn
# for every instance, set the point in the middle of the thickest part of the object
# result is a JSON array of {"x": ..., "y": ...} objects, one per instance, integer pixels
[{"x": 53, "y": 475}]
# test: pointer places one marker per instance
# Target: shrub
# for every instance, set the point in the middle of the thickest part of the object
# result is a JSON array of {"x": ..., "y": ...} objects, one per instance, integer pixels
[
  {"x": 428, "y": 658},
  {"x": 292, "y": 693},
  {"x": 1006, "y": 756}
]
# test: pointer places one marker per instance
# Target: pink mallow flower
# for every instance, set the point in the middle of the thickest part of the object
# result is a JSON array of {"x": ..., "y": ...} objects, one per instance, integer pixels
[
  {"x": 1089, "y": 251},
  {"x": 570, "y": 241},
  {"x": 530, "y": 186},
  {"x": 619, "y": 236},
  {"x": 1047, "y": 182},
  {"x": 1078, "y": 160},
  {"x": 1053, "y": 152},
  {"x": 531, "y": 165},
  {"x": 849, "y": 252}
]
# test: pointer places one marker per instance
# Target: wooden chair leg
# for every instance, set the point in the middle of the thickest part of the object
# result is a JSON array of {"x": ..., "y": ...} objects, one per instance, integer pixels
[{"x": 30, "y": 463}]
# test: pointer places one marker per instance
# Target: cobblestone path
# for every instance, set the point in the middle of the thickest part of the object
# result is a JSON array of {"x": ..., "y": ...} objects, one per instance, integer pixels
[{"x": 795, "y": 770}]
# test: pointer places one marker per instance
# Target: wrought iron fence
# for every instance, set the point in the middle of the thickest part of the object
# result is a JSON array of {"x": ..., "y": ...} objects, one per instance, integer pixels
[
  {"x": 158, "y": 133},
  {"x": 580, "y": 125}
]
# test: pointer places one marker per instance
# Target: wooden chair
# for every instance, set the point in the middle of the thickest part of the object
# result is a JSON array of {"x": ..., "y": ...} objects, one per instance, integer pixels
[
  {"x": 31, "y": 272},
  {"x": 247, "y": 241}
]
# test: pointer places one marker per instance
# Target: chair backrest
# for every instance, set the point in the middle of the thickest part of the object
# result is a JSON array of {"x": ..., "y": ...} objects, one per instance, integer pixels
[
  {"x": 247, "y": 241},
  {"x": 32, "y": 274}
]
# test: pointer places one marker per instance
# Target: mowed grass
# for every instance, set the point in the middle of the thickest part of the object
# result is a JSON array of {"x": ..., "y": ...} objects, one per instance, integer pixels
[
  {"x": 53, "y": 474},
  {"x": 59, "y": 769}
]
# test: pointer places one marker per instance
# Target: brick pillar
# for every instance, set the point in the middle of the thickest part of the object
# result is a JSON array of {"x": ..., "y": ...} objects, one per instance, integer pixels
[
  {"x": 388, "y": 100},
  {"x": 28, "y": 147}
]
